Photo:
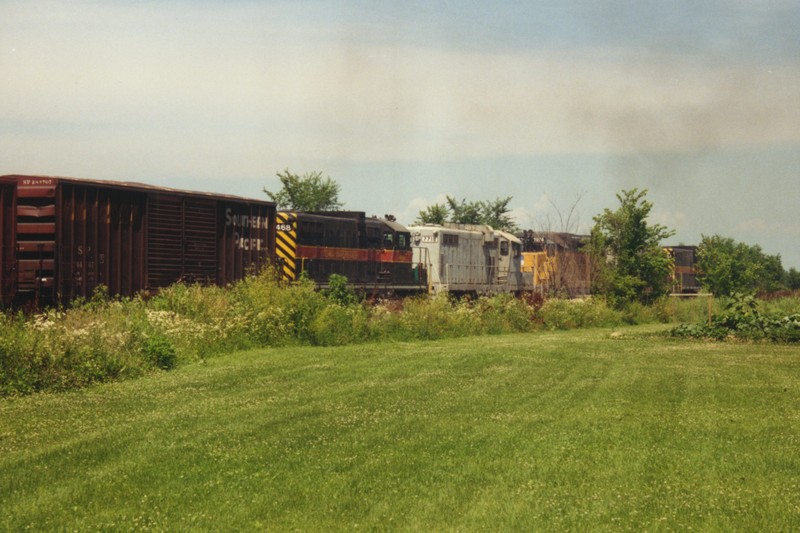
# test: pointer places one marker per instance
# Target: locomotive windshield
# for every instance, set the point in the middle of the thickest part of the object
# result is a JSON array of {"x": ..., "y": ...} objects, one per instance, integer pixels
[{"x": 396, "y": 240}]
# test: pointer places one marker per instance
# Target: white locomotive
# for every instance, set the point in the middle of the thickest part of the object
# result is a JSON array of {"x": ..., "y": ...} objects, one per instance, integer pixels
[{"x": 469, "y": 258}]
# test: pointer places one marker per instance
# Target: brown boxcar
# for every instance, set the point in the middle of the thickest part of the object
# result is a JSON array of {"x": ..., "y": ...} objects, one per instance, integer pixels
[
  {"x": 684, "y": 269},
  {"x": 63, "y": 237}
]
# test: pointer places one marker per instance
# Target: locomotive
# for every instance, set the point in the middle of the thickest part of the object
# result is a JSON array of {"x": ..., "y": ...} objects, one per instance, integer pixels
[
  {"x": 558, "y": 262},
  {"x": 469, "y": 259},
  {"x": 374, "y": 254}
]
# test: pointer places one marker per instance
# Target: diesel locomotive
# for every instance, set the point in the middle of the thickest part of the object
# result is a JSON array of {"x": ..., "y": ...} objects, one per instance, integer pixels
[{"x": 374, "y": 254}]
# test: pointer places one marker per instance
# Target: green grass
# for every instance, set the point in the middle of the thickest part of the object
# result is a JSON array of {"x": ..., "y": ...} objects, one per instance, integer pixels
[{"x": 545, "y": 431}]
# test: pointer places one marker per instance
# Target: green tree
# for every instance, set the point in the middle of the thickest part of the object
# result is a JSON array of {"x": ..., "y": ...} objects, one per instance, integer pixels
[
  {"x": 728, "y": 267},
  {"x": 792, "y": 279},
  {"x": 630, "y": 265},
  {"x": 433, "y": 214},
  {"x": 492, "y": 213},
  {"x": 464, "y": 212},
  {"x": 495, "y": 214},
  {"x": 307, "y": 193}
]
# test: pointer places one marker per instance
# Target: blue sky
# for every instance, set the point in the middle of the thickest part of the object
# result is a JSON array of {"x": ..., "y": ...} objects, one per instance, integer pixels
[{"x": 403, "y": 103}]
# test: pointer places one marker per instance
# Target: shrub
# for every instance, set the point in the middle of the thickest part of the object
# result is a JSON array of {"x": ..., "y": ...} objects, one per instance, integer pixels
[
  {"x": 503, "y": 313},
  {"x": 339, "y": 292},
  {"x": 159, "y": 351},
  {"x": 437, "y": 317},
  {"x": 742, "y": 319},
  {"x": 566, "y": 314},
  {"x": 336, "y": 325}
]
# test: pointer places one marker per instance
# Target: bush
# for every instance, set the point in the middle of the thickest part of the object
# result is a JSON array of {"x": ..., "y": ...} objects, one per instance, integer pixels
[
  {"x": 567, "y": 314},
  {"x": 101, "y": 339},
  {"x": 336, "y": 325},
  {"x": 503, "y": 313},
  {"x": 339, "y": 292},
  {"x": 742, "y": 319},
  {"x": 159, "y": 351},
  {"x": 65, "y": 350}
]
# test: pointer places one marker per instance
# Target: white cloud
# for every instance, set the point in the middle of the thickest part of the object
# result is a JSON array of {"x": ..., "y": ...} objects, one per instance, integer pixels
[{"x": 238, "y": 87}]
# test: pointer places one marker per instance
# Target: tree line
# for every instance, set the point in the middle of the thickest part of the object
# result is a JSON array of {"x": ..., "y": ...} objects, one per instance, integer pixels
[{"x": 629, "y": 263}]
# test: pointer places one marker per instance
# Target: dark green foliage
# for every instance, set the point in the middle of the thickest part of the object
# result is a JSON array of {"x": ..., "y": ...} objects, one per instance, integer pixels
[
  {"x": 492, "y": 213},
  {"x": 630, "y": 264},
  {"x": 307, "y": 193},
  {"x": 495, "y": 214},
  {"x": 159, "y": 351},
  {"x": 339, "y": 291},
  {"x": 728, "y": 267},
  {"x": 742, "y": 319},
  {"x": 119, "y": 339},
  {"x": 792, "y": 279},
  {"x": 433, "y": 214},
  {"x": 464, "y": 212}
]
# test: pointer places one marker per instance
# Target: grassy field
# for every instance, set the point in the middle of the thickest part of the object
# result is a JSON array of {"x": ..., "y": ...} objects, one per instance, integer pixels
[{"x": 546, "y": 431}]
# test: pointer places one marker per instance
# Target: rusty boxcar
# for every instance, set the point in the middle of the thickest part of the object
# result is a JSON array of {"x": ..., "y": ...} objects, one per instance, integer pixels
[{"x": 63, "y": 237}]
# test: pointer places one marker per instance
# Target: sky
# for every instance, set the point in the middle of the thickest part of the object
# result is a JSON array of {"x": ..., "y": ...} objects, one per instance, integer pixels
[{"x": 559, "y": 104}]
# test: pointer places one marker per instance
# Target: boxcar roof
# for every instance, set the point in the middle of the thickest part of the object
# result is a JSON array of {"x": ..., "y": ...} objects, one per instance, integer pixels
[{"x": 134, "y": 186}]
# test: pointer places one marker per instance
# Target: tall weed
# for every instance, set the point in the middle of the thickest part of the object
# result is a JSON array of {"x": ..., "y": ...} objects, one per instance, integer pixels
[
  {"x": 99, "y": 339},
  {"x": 567, "y": 314}
]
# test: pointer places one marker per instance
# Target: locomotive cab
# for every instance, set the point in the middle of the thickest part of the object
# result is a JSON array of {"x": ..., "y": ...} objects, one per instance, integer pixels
[{"x": 395, "y": 237}]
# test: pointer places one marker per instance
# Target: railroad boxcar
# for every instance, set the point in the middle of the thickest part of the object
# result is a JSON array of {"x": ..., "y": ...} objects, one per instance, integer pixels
[
  {"x": 684, "y": 270},
  {"x": 374, "y": 254},
  {"x": 64, "y": 237},
  {"x": 469, "y": 258}
]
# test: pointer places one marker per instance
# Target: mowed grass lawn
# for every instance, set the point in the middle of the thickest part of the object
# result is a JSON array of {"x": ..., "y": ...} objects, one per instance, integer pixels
[{"x": 547, "y": 431}]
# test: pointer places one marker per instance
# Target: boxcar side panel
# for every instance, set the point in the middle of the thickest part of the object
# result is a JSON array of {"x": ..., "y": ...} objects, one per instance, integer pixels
[
  {"x": 100, "y": 241},
  {"x": 245, "y": 238}
]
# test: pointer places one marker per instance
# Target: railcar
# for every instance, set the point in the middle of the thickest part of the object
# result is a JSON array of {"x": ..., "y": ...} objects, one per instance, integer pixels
[
  {"x": 374, "y": 254},
  {"x": 469, "y": 259},
  {"x": 557, "y": 261},
  {"x": 64, "y": 237},
  {"x": 684, "y": 270}
]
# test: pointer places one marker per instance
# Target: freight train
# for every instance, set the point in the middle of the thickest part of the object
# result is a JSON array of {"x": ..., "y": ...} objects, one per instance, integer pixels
[{"x": 61, "y": 238}]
